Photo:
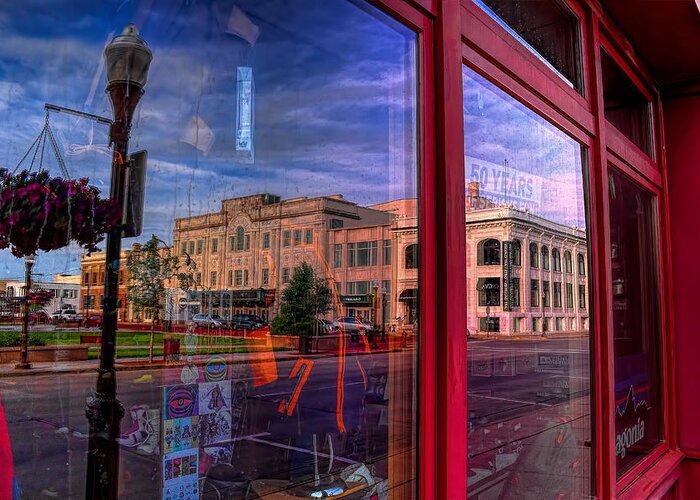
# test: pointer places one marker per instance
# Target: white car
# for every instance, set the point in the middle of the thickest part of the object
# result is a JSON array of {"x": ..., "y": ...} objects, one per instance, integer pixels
[
  {"x": 206, "y": 320},
  {"x": 65, "y": 316}
]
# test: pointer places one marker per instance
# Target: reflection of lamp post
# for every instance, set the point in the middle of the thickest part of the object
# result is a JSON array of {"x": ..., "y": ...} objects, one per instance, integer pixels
[
  {"x": 24, "y": 337},
  {"x": 127, "y": 59},
  {"x": 375, "y": 312},
  {"x": 544, "y": 296}
]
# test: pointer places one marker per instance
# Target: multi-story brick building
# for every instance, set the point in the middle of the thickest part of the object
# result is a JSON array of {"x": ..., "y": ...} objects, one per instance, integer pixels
[
  {"x": 247, "y": 252},
  {"x": 527, "y": 274},
  {"x": 92, "y": 268}
]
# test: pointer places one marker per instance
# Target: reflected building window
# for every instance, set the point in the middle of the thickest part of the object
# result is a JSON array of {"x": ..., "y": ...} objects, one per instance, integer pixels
[
  {"x": 240, "y": 239},
  {"x": 516, "y": 248},
  {"x": 489, "y": 252},
  {"x": 534, "y": 256},
  {"x": 545, "y": 258},
  {"x": 411, "y": 257},
  {"x": 556, "y": 260},
  {"x": 568, "y": 265}
]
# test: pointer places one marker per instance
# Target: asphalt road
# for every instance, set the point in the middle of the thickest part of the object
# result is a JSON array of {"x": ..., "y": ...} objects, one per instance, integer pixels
[
  {"x": 48, "y": 428},
  {"x": 514, "y": 386}
]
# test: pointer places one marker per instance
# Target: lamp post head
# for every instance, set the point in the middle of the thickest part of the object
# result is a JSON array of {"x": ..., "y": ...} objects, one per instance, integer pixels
[
  {"x": 30, "y": 259},
  {"x": 127, "y": 58}
]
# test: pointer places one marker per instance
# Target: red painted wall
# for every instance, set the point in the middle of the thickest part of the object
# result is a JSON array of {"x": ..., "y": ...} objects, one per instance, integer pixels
[{"x": 682, "y": 128}]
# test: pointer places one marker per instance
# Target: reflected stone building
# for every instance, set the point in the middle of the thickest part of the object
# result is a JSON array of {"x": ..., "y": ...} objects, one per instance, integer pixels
[
  {"x": 525, "y": 274},
  {"x": 246, "y": 253}
]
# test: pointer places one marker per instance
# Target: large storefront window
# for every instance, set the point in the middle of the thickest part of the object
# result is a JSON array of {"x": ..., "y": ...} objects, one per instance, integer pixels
[
  {"x": 529, "y": 391},
  {"x": 636, "y": 321},
  {"x": 282, "y": 170}
]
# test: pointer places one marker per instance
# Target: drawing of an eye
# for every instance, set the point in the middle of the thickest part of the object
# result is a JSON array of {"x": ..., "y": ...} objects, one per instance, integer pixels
[
  {"x": 181, "y": 401},
  {"x": 215, "y": 369}
]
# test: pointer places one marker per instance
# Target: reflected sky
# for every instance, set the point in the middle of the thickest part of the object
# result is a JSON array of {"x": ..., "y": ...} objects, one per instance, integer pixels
[
  {"x": 334, "y": 101},
  {"x": 499, "y": 129}
]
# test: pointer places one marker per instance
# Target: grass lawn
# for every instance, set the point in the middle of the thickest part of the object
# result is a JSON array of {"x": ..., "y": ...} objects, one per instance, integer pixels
[{"x": 127, "y": 340}]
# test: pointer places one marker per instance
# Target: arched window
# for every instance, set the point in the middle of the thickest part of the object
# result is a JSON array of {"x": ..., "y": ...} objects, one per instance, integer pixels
[
  {"x": 489, "y": 253},
  {"x": 556, "y": 260},
  {"x": 581, "y": 265},
  {"x": 411, "y": 256},
  {"x": 568, "y": 264},
  {"x": 545, "y": 258},
  {"x": 240, "y": 238},
  {"x": 534, "y": 256},
  {"x": 10, "y": 291},
  {"x": 516, "y": 253}
]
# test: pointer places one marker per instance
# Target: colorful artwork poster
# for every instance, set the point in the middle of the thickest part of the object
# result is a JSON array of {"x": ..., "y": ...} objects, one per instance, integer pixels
[
  {"x": 180, "y": 434},
  {"x": 214, "y": 396},
  {"x": 211, "y": 455},
  {"x": 180, "y": 401},
  {"x": 215, "y": 428},
  {"x": 215, "y": 368},
  {"x": 180, "y": 475}
]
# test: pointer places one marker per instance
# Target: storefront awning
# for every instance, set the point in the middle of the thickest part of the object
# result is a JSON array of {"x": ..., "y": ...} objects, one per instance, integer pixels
[
  {"x": 356, "y": 300},
  {"x": 408, "y": 295}
]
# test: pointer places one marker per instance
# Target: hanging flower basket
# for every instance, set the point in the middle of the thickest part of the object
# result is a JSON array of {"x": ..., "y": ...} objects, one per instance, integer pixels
[
  {"x": 39, "y": 297},
  {"x": 38, "y": 212}
]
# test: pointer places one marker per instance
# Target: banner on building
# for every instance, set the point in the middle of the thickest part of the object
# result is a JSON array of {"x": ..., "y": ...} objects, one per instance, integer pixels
[
  {"x": 244, "y": 117},
  {"x": 507, "y": 261},
  {"x": 504, "y": 184}
]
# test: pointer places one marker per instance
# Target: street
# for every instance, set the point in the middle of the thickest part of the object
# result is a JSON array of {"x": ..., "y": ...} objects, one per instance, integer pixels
[
  {"x": 48, "y": 428},
  {"x": 517, "y": 389}
]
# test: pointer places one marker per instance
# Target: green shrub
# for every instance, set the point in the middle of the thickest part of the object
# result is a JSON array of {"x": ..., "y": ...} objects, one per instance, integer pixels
[
  {"x": 11, "y": 339},
  {"x": 35, "y": 340}
]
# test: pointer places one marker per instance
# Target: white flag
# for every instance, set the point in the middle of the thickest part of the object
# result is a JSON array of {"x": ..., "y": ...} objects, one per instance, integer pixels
[
  {"x": 240, "y": 25},
  {"x": 198, "y": 134}
]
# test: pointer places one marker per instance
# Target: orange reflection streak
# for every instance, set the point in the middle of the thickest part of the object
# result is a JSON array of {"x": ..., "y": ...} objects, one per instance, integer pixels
[
  {"x": 362, "y": 371},
  {"x": 302, "y": 368},
  {"x": 262, "y": 359},
  {"x": 337, "y": 306}
]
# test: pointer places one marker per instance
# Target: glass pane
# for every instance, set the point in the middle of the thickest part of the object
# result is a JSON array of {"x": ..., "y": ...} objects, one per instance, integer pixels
[
  {"x": 266, "y": 336},
  {"x": 547, "y": 28},
  {"x": 625, "y": 106},
  {"x": 636, "y": 321},
  {"x": 529, "y": 385}
]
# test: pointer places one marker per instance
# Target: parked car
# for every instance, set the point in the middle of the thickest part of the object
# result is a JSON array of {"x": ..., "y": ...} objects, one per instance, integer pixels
[
  {"x": 65, "y": 316},
  {"x": 207, "y": 321},
  {"x": 350, "y": 324},
  {"x": 246, "y": 322},
  {"x": 325, "y": 327},
  {"x": 94, "y": 320}
]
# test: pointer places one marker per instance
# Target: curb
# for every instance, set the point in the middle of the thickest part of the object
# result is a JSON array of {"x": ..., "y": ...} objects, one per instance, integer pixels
[{"x": 127, "y": 366}]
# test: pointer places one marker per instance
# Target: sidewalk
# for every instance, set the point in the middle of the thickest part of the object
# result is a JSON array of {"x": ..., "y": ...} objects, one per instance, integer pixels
[{"x": 140, "y": 363}]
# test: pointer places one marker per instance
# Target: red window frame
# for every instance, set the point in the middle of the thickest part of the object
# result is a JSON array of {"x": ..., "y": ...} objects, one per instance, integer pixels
[{"x": 450, "y": 34}]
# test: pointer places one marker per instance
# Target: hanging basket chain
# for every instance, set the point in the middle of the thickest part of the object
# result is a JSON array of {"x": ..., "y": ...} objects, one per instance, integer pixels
[{"x": 40, "y": 142}]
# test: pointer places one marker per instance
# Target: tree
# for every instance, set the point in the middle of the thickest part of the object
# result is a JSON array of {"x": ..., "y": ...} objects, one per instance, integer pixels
[
  {"x": 151, "y": 267},
  {"x": 305, "y": 297}
]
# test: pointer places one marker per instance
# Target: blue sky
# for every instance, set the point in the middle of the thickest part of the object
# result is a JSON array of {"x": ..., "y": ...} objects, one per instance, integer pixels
[
  {"x": 334, "y": 101},
  {"x": 497, "y": 127}
]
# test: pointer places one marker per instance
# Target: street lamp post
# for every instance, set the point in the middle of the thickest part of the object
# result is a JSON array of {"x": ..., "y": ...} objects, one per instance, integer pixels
[
  {"x": 127, "y": 59},
  {"x": 24, "y": 337}
]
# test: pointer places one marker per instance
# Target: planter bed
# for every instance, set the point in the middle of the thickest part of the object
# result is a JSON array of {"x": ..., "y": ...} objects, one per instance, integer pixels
[{"x": 46, "y": 353}]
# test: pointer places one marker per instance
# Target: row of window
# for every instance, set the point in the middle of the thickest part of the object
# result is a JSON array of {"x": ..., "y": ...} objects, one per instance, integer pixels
[
  {"x": 493, "y": 324},
  {"x": 241, "y": 241},
  {"x": 364, "y": 253},
  {"x": 94, "y": 278},
  {"x": 489, "y": 254},
  {"x": 57, "y": 293},
  {"x": 490, "y": 293}
]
